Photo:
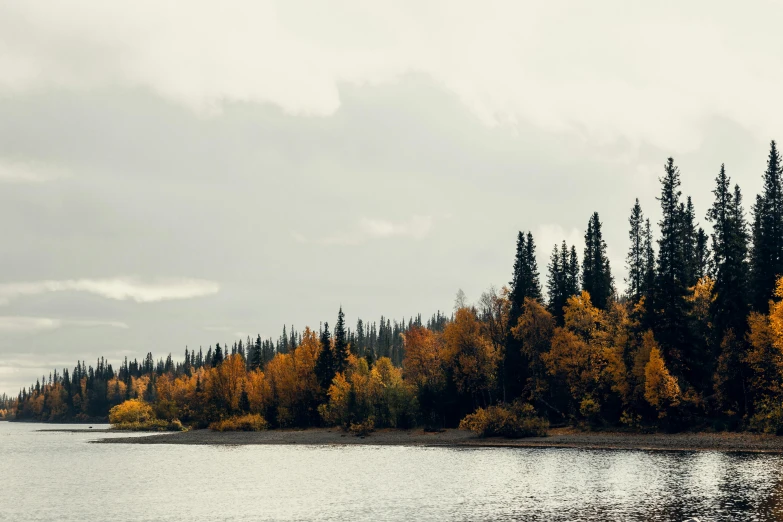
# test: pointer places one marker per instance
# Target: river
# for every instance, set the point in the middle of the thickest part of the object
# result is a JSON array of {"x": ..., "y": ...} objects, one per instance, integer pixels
[{"x": 60, "y": 476}]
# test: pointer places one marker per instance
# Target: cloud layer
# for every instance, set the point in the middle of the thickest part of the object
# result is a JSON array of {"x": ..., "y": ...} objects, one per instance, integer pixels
[
  {"x": 608, "y": 71},
  {"x": 120, "y": 289}
]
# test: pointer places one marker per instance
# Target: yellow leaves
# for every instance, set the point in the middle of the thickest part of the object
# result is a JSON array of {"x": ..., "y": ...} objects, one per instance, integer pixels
[
  {"x": 423, "y": 364},
  {"x": 469, "y": 353},
  {"x": 259, "y": 392},
  {"x": 580, "y": 316},
  {"x": 130, "y": 411},
  {"x": 701, "y": 297},
  {"x": 660, "y": 388}
]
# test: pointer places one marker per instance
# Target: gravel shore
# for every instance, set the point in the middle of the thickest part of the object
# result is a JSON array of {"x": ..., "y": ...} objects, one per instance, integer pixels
[{"x": 558, "y": 438}]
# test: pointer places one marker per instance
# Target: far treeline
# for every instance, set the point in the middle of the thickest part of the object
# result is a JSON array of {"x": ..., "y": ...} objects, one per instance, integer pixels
[{"x": 694, "y": 341}]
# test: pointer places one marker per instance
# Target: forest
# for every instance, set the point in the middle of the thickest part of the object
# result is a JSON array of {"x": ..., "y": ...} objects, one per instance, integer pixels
[{"x": 692, "y": 339}]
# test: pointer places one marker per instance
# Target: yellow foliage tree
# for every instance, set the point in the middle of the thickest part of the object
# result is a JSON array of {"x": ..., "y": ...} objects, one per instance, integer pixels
[
  {"x": 470, "y": 355},
  {"x": 660, "y": 388}
]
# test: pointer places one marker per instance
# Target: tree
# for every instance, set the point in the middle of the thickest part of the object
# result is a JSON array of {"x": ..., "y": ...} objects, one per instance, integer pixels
[
  {"x": 635, "y": 260},
  {"x": 340, "y": 343},
  {"x": 660, "y": 388},
  {"x": 596, "y": 273},
  {"x": 470, "y": 356},
  {"x": 669, "y": 303},
  {"x": 217, "y": 356},
  {"x": 767, "y": 256},
  {"x": 325, "y": 366},
  {"x": 524, "y": 284},
  {"x": 730, "y": 257}
]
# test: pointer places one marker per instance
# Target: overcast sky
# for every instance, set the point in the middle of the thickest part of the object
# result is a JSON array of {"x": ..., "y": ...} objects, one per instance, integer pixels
[{"x": 183, "y": 173}]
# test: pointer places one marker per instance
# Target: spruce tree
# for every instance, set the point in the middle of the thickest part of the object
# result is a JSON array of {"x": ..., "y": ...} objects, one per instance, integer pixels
[
  {"x": 671, "y": 288},
  {"x": 596, "y": 273},
  {"x": 730, "y": 253},
  {"x": 524, "y": 284},
  {"x": 217, "y": 356},
  {"x": 324, "y": 365},
  {"x": 340, "y": 343},
  {"x": 635, "y": 260},
  {"x": 767, "y": 255}
]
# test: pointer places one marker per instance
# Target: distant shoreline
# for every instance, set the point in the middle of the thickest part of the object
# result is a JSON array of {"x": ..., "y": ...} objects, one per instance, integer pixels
[{"x": 558, "y": 438}]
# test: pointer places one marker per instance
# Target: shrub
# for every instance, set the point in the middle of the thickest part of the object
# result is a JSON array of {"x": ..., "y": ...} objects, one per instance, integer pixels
[
  {"x": 768, "y": 417},
  {"x": 249, "y": 422},
  {"x": 362, "y": 429},
  {"x": 514, "y": 421},
  {"x": 132, "y": 411}
]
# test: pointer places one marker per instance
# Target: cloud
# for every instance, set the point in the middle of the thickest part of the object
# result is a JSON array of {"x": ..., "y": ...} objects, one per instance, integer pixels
[
  {"x": 416, "y": 227},
  {"x": 28, "y": 171},
  {"x": 120, "y": 289},
  {"x": 604, "y": 72},
  {"x": 21, "y": 324}
]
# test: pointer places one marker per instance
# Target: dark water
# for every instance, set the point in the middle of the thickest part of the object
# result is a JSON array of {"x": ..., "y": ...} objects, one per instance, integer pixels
[{"x": 59, "y": 476}]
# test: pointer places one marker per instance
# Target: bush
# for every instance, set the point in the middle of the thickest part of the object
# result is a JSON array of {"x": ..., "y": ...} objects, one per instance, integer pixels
[
  {"x": 514, "y": 421},
  {"x": 362, "y": 429},
  {"x": 768, "y": 418},
  {"x": 132, "y": 411},
  {"x": 150, "y": 425},
  {"x": 250, "y": 422}
]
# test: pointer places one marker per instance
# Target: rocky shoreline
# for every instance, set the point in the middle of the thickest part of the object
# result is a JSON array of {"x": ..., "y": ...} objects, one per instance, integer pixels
[{"x": 557, "y": 438}]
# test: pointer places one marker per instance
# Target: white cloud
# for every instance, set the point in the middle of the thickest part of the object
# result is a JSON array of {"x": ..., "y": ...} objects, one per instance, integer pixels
[
  {"x": 641, "y": 72},
  {"x": 416, "y": 227},
  {"x": 28, "y": 171},
  {"x": 120, "y": 289},
  {"x": 21, "y": 324}
]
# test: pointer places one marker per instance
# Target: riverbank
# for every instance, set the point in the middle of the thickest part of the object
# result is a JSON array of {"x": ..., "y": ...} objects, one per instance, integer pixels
[{"x": 557, "y": 438}]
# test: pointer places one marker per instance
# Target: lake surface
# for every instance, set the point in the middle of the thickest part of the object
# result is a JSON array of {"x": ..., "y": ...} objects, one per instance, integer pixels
[{"x": 60, "y": 476}]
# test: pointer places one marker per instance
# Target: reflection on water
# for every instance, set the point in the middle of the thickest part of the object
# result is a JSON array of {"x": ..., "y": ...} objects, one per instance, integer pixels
[{"x": 58, "y": 476}]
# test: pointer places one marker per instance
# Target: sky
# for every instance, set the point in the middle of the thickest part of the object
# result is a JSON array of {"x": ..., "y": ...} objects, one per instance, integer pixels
[{"x": 178, "y": 174}]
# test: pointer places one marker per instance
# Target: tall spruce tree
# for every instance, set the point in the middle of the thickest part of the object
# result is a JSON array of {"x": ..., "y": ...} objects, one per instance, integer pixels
[
  {"x": 767, "y": 254},
  {"x": 596, "y": 273},
  {"x": 635, "y": 260},
  {"x": 671, "y": 284},
  {"x": 324, "y": 365},
  {"x": 562, "y": 279},
  {"x": 340, "y": 343},
  {"x": 524, "y": 284},
  {"x": 730, "y": 254}
]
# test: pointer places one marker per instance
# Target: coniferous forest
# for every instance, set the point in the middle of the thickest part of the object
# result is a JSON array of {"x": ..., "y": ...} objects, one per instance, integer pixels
[{"x": 691, "y": 339}]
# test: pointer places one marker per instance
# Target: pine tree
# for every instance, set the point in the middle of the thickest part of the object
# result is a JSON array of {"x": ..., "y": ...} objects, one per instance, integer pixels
[
  {"x": 635, "y": 260},
  {"x": 596, "y": 273},
  {"x": 324, "y": 365},
  {"x": 562, "y": 279},
  {"x": 767, "y": 255},
  {"x": 340, "y": 343}
]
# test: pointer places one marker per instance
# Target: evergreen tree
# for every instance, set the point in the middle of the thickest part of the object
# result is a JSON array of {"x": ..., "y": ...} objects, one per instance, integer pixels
[
  {"x": 635, "y": 260},
  {"x": 217, "y": 356},
  {"x": 562, "y": 279},
  {"x": 730, "y": 252},
  {"x": 524, "y": 284},
  {"x": 671, "y": 285},
  {"x": 596, "y": 273},
  {"x": 340, "y": 343},
  {"x": 324, "y": 365},
  {"x": 767, "y": 257}
]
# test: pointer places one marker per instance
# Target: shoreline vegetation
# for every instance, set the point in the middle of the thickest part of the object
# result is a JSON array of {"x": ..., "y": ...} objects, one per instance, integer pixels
[{"x": 693, "y": 342}]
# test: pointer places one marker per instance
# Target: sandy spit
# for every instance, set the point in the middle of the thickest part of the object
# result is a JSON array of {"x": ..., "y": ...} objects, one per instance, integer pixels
[{"x": 557, "y": 438}]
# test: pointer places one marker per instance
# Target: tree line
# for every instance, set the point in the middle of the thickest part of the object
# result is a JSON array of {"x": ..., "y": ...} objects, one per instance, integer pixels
[{"x": 693, "y": 339}]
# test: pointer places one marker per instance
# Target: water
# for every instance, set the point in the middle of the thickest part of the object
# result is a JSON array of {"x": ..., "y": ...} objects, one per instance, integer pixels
[{"x": 59, "y": 476}]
